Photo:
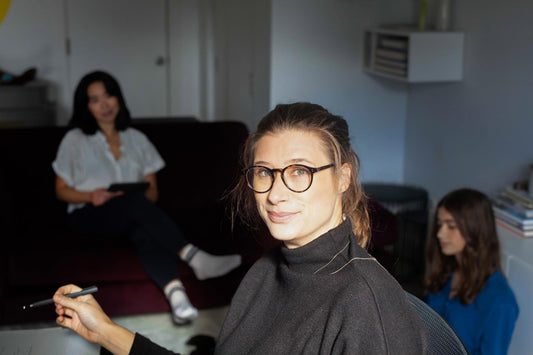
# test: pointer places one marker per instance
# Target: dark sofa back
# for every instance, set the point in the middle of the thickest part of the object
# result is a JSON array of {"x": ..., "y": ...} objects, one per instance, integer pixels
[
  {"x": 201, "y": 163},
  {"x": 206, "y": 156},
  {"x": 27, "y": 181}
]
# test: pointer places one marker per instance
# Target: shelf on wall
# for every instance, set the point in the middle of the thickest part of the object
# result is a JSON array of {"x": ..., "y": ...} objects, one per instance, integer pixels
[{"x": 414, "y": 56}]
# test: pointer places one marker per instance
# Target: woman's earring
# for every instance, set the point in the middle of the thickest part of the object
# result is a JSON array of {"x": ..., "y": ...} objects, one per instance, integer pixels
[{"x": 343, "y": 217}]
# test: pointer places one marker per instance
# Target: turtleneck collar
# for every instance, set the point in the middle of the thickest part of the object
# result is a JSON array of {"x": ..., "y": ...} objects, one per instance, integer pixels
[{"x": 312, "y": 256}]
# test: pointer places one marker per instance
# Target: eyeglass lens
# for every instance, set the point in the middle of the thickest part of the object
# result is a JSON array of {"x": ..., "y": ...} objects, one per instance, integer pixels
[{"x": 296, "y": 177}]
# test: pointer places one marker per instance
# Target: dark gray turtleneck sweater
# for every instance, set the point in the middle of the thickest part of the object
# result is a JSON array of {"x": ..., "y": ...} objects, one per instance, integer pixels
[{"x": 327, "y": 297}]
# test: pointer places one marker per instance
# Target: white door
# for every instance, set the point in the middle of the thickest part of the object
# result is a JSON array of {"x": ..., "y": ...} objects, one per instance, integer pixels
[
  {"x": 128, "y": 39},
  {"x": 242, "y": 76}
]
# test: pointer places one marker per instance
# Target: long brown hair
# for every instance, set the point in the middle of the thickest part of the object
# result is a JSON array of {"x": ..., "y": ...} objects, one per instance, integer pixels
[
  {"x": 473, "y": 215},
  {"x": 334, "y": 133}
]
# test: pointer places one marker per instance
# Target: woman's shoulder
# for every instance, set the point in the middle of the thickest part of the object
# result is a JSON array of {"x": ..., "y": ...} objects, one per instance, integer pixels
[
  {"x": 373, "y": 290},
  {"x": 133, "y": 132},
  {"x": 497, "y": 282},
  {"x": 496, "y": 295},
  {"x": 74, "y": 135},
  {"x": 366, "y": 274},
  {"x": 497, "y": 289},
  {"x": 260, "y": 272},
  {"x": 135, "y": 135}
]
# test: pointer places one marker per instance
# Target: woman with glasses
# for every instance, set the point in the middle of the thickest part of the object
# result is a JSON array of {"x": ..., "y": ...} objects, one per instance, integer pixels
[
  {"x": 101, "y": 149},
  {"x": 319, "y": 292},
  {"x": 466, "y": 285}
]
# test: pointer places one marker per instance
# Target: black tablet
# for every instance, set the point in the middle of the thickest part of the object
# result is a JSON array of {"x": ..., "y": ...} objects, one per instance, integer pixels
[{"x": 129, "y": 186}]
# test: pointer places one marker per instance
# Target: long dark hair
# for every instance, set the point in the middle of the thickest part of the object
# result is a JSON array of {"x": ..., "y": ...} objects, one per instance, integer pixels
[
  {"x": 334, "y": 133},
  {"x": 83, "y": 118},
  {"x": 473, "y": 215}
]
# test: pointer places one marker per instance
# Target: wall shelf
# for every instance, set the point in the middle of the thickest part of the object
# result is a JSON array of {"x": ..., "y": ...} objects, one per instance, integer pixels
[{"x": 414, "y": 56}]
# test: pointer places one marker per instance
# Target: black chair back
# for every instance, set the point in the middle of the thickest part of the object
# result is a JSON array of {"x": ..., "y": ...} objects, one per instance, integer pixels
[{"x": 442, "y": 338}]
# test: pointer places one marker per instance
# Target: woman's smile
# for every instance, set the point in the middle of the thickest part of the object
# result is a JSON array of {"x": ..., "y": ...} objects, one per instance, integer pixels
[
  {"x": 108, "y": 113},
  {"x": 280, "y": 217}
]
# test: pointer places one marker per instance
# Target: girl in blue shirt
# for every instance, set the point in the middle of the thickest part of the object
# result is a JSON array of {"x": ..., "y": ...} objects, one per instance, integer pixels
[{"x": 466, "y": 286}]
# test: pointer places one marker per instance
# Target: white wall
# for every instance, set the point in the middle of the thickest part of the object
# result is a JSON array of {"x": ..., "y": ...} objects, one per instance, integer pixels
[
  {"x": 477, "y": 133},
  {"x": 185, "y": 28},
  {"x": 317, "y": 57},
  {"x": 33, "y": 35}
]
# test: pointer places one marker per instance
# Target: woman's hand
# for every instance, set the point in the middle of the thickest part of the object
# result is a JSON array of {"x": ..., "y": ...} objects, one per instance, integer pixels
[
  {"x": 82, "y": 314},
  {"x": 85, "y": 316},
  {"x": 97, "y": 197},
  {"x": 101, "y": 196}
]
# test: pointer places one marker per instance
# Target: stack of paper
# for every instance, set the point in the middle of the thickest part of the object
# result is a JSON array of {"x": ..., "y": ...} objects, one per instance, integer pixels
[{"x": 513, "y": 211}]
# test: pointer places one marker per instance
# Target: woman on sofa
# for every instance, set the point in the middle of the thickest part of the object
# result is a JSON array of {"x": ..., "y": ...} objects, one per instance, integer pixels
[
  {"x": 319, "y": 291},
  {"x": 466, "y": 286},
  {"x": 102, "y": 149}
]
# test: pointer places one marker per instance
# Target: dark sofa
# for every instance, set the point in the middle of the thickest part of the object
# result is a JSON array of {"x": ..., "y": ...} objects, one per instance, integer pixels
[{"x": 39, "y": 253}]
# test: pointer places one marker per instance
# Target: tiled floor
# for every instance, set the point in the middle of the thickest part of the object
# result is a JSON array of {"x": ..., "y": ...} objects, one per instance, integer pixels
[{"x": 48, "y": 338}]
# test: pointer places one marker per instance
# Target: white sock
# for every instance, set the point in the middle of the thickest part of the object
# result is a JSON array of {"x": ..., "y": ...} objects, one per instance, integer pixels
[
  {"x": 205, "y": 265},
  {"x": 183, "y": 311}
]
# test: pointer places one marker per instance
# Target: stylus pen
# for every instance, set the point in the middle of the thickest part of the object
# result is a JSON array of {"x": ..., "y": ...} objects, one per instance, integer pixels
[{"x": 85, "y": 291}]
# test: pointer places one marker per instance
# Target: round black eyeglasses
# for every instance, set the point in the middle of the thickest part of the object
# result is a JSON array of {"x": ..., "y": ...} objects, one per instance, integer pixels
[{"x": 297, "y": 177}]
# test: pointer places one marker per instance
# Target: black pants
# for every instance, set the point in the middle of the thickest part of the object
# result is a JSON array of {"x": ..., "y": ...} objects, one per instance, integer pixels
[{"x": 154, "y": 233}]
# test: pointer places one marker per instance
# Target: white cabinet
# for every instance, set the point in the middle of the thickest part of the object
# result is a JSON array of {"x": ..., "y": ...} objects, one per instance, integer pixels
[
  {"x": 414, "y": 56},
  {"x": 517, "y": 264}
]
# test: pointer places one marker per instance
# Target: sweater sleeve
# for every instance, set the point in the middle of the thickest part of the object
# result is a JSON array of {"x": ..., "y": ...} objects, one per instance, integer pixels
[{"x": 144, "y": 346}]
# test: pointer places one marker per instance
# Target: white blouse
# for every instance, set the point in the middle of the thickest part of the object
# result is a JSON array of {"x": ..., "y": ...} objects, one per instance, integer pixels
[{"x": 85, "y": 162}]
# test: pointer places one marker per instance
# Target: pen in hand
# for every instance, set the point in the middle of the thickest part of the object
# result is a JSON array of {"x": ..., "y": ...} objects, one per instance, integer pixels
[{"x": 85, "y": 291}]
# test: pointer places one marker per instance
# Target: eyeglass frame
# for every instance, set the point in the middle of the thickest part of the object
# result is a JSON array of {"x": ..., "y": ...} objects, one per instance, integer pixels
[{"x": 282, "y": 172}]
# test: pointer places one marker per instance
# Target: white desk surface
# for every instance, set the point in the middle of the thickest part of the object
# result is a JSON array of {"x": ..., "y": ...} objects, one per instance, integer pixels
[{"x": 54, "y": 340}]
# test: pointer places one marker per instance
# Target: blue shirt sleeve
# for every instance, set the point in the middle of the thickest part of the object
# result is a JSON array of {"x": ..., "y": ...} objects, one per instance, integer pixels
[{"x": 499, "y": 329}]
